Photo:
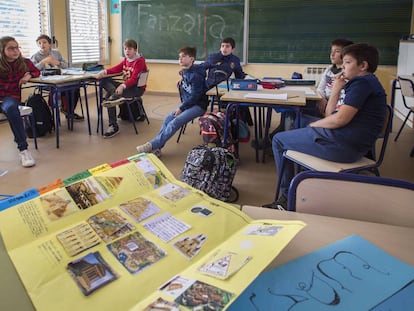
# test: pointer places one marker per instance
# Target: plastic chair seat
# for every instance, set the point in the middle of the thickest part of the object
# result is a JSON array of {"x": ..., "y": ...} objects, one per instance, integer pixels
[{"x": 318, "y": 164}]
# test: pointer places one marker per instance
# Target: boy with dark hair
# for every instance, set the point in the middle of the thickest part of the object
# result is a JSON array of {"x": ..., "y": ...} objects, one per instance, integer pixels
[
  {"x": 48, "y": 58},
  {"x": 194, "y": 101},
  {"x": 325, "y": 84},
  {"x": 354, "y": 117},
  {"x": 226, "y": 61},
  {"x": 118, "y": 92}
]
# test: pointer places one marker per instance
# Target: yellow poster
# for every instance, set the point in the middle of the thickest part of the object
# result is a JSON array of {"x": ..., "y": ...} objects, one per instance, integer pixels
[{"x": 132, "y": 237}]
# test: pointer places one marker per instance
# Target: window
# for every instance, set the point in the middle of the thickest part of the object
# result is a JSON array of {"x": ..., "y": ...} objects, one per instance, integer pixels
[
  {"x": 24, "y": 20},
  {"x": 88, "y": 31}
]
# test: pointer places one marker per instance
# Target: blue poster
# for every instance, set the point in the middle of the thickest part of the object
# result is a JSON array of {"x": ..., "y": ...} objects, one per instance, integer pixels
[{"x": 351, "y": 274}]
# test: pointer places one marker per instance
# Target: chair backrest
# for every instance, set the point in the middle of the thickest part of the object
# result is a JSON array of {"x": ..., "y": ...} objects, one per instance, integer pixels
[
  {"x": 407, "y": 87},
  {"x": 143, "y": 78},
  {"x": 352, "y": 196},
  {"x": 385, "y": 133}
]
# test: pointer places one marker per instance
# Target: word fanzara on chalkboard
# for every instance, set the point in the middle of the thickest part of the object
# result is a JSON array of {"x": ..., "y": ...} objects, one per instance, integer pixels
[{"x": 162, "y": 27}]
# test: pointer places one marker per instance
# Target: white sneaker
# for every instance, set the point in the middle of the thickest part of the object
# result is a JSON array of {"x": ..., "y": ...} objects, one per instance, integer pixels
[
  {"x": 26, "y": 158},
  {"x": 145, "y": 148}
]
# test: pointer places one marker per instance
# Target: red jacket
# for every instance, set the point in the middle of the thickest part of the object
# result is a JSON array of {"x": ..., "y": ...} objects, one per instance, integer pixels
[{"x": 130, "y": 70}]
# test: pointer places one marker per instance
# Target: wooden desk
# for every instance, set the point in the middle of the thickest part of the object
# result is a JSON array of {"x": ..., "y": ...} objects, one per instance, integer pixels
[
  {"x": 295, "y": 100},
  {"x": 322, "y": 230},
  {"x": 60, "y": 83}
]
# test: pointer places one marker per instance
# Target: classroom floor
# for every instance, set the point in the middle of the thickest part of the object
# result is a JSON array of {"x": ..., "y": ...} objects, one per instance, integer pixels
[{"x": 78, "y": 151}]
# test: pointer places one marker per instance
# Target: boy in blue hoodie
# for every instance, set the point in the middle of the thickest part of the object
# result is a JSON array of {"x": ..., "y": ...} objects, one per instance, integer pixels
[{"x": 194, "y": 101}]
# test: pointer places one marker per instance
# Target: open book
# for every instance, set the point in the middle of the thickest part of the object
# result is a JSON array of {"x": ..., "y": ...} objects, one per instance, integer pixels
[{"x": 130, "y": 236}]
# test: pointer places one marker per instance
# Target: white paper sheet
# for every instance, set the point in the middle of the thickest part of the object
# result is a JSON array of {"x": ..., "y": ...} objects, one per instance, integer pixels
[{"x": 282, "y": 96}]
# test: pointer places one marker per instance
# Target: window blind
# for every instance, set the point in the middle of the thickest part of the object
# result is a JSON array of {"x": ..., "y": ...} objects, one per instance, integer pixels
[
  {"x": 88, "y": 31},
  {"x": 24, "y": 20}
]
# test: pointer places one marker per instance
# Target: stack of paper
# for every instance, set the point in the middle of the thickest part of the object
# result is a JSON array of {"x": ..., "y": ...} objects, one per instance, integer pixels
[{"x": 283, "y": 96}]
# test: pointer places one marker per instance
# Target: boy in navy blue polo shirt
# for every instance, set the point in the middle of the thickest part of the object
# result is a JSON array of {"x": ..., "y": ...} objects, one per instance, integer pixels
[
  {"x": 354, "y": 117},
  {"x": 226, "y": 61}
]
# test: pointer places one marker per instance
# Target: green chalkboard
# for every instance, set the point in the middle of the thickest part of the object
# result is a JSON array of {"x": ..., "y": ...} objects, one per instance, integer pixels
[
  {"x": 297, "y": 31},
  {"x": 162, "y": 27}
]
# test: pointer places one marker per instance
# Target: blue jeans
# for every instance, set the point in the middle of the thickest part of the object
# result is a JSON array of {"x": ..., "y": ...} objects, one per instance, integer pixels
[
  {"x": 316, "y": 141},
  {"x": 173, "y": 123},
  {"x": 10, "y": 107}
]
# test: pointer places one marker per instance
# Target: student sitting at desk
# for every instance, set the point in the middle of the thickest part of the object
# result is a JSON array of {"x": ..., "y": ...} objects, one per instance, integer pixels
[
  {"x": 326, "y": 83},
  {"x": 15, "y": 71},
  {"x": 116, "y": 92},
  {"x": 226, "y": 61},
  {"x": 48, "y": 58},
  {"x": 324, "y": 89},
  {"x": 355, "y": 115},
  {"x": 194, "y": 101}
]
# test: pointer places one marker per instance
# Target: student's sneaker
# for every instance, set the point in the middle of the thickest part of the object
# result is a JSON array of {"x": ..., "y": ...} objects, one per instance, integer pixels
[
  {"x": 145, "y": 148},
  {"x": 111, "y": 131},
  {"x": 280, "y": 204},
  {"x": 157, "y": 153},
  {"x": 114, "y": 100},
  {"x": 26, "y": 158},
  {"x": 77, "y": 117}
]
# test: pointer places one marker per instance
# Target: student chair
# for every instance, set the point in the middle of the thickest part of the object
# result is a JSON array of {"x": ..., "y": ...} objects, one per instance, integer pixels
[
  {"x": 353, "y": 196},
  {"x": 220, "y": 76},
  {"x": 407, "y": 90},
  {"x": 142, "y": 81},
  {"x": 313, "y": 163},
  {"x": 182, "y": 129}
]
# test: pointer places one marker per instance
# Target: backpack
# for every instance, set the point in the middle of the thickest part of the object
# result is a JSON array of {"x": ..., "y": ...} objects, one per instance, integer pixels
[
  {"x": 42, "y": 116},
  {"x": 135, "y": 109},
  {"x": 212, "y": 130},
  {"x": 211, "y": 170}
]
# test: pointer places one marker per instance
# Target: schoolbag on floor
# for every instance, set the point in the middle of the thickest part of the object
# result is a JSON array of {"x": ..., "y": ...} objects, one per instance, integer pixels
[
  {"x": 42, "y": 115},
  {"x": 135, "y": 109},
  {"x": 212, "y": 130},
  {"x": 211, "y": 170}
]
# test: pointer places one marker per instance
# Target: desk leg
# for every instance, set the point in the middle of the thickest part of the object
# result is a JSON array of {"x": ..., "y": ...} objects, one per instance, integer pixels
[
  {"x": 100, "y": 109},
  {"x": 257, "y": 127},
  {"x": 87, "y": 108},
  {"x": 266, "y": 134},
  {"x": 97, "y": 98},
  {"x": 55, "y": 107}
]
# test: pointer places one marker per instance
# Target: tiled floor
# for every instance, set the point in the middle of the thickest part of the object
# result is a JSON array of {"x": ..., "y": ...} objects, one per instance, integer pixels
[{"x": 79, "y": 151}]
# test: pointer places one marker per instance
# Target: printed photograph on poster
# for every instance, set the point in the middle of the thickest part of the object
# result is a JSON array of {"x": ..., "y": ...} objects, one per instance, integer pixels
[
  {"x": 78, "y": 239},
  {"x": 140, "y": 208},
  {"x": 202, "y": 296},
  {"x": 58, "y": 204},
  {"x": 190, "y": 246},
  {"x": 91, "y": 272},
  {"x": 223, "y": 264},
  {"x": 135, "y": 252},
  {"x": 163, "y": 305},
  {"x": 110, "y": 224}
]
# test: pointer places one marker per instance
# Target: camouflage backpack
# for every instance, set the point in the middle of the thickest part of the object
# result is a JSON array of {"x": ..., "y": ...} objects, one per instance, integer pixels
[{"x": 211, "y": 170}]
